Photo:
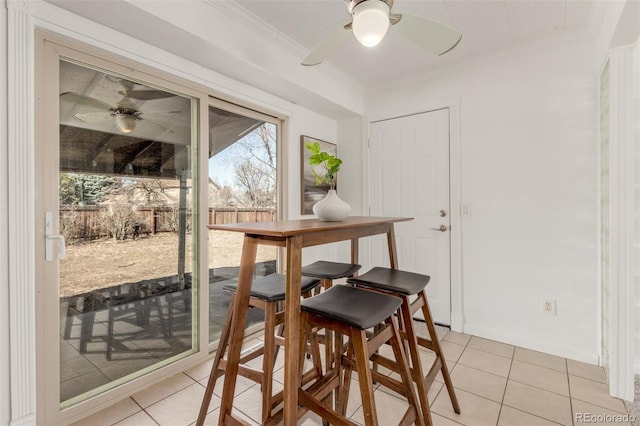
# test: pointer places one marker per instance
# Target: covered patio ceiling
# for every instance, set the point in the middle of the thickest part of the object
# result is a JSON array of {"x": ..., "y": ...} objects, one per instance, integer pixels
[{"x": 112, "y": 125}]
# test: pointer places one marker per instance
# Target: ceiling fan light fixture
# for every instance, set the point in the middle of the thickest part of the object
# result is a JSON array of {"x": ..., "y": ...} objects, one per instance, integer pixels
[
  {"x": 370, "y": 22},
  {"x": 125, "y": 122}
]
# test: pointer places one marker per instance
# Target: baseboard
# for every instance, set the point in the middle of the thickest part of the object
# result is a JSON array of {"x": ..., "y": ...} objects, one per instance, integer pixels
[
  {"x": 536, "y": 345},
  {"x": 457, "y": 322}
]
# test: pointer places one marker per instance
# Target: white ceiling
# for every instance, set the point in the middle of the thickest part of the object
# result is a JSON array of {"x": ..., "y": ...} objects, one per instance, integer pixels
[{"x": 487, "y": 26}]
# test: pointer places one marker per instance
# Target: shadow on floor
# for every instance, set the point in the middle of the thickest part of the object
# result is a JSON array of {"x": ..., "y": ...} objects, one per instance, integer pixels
[{"x": 113, "y": 332}]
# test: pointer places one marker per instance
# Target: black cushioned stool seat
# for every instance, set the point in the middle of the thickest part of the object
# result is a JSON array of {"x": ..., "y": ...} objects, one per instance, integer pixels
[
  {"x": 272, "y": 287},
  {"x": 353, "y": 306},
  {"x": 351, "y": 311},
  {"x": 267, "y": 293},
  {"x": 393, "y": 280},
  {"x": 330, "y": 270},
  {"x": 408, "y": 285}
]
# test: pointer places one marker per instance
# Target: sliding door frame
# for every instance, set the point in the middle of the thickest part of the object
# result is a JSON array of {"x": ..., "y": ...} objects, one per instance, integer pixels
[{"x": 49, "y": 51}]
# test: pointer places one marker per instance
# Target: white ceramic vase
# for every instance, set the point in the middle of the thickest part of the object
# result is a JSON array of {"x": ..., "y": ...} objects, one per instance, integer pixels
[{"x": 331, "y": 208}]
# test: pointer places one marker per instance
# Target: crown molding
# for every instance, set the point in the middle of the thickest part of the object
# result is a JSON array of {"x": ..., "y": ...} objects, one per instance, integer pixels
[
  {"x": 266, "y": 31},
  {"x": 248, "y": 20}
]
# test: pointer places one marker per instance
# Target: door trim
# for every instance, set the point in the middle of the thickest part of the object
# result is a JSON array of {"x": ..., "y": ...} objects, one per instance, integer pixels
[
  {"x": 21, "y": 215},
  {"x": 622, "y": 211},
  {"x": 455, "y": 193}
]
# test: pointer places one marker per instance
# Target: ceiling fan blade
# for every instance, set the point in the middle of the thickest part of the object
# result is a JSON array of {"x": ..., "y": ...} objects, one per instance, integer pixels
[
  {"x": 321, "y": 51},
  {"x": 160, "y": 126},
  {"x": 431, "y": 35},
  {"x": 93, "y": 117},
  {"x": 149, "y": 95},
  {"x": 80, "y": 99}
]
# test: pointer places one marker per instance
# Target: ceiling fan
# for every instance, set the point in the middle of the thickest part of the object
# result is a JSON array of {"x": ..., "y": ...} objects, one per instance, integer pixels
[
  {"x": 125, "y": 113},
  {"x": 128, "y": 90},
  {"x": 370, "y": 20}
]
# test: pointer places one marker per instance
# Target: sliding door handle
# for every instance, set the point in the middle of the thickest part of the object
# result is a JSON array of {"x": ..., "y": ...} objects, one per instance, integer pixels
[{"x": 50, "y": 237}]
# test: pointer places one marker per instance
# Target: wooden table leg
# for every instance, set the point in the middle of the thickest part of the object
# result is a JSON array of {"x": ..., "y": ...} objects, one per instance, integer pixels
[
  {"x": 355, "y": 252},
  {"x": 292, "y": 331},
  {"x": 391, "y": 242},
  {"x": 245, "y": 278}
]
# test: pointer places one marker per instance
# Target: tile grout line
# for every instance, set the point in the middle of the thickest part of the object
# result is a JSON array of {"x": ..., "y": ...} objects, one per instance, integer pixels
[
  {"x": 505, "y": 387},
  {"x": 455, "y": 364},
  {"x": 539, "y": 388},
  {"x": 590, "y": 402},
  {"x": 535, "y": 387},
  {"x": 142, "y": 410},
  {"x": 569, "y": 386}
]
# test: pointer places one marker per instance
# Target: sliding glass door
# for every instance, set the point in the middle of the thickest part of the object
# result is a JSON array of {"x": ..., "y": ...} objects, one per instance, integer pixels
[
  {"x": 243, "y": 187},
  {"x": 116, "y": 168}
]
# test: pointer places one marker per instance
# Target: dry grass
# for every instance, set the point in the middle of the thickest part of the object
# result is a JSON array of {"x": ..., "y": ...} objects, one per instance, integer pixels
[{"x": 105, "y": 263}]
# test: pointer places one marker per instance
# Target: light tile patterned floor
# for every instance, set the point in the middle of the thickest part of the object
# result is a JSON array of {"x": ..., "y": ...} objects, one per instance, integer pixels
[{"x": 496, "y": 384}]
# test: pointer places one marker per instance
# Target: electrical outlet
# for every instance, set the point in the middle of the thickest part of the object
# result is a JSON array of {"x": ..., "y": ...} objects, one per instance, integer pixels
[{"x": 549, "y": 306}]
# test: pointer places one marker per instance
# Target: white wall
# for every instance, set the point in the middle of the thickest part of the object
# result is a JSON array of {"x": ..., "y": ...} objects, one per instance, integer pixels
[
  {"x": 528, "y": 141},
  {"x": 4, "y": 278},
  {"x": 350, "y": 136}
]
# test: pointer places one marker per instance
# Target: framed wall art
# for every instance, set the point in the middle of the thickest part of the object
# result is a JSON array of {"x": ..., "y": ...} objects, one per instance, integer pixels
[{"x": 311, "y": 192}]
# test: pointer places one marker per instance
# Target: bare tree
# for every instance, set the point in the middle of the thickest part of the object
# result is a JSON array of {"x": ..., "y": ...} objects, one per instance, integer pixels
[
  {"x": 255, "y": 168},
  {"x": 254, "y": 183},
  {"x": 221, "y": 195},
  {"x": 150, "y": 192},
  {"x": 260, "y": 147}
]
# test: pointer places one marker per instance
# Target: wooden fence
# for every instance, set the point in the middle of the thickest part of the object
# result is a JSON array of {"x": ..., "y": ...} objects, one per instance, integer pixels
[
  {"x": 92, "y": 222},
  {"x": 221, "y": 216}
]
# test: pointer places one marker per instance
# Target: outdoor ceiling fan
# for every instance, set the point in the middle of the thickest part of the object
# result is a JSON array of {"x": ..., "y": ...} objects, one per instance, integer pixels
[
  {"x": 370, "y": 20},
  {"x": 125, "y": 113}
]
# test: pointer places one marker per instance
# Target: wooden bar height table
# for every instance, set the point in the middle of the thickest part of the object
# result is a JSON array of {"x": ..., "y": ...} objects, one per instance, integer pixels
[{"x": 293, "y": 235}]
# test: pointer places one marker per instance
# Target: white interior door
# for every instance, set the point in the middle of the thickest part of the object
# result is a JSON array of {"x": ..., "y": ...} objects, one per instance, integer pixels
[{"x": 409, "y": 160}]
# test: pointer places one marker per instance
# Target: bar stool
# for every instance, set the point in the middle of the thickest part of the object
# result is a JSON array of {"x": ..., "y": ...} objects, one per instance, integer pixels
[
  {"x": 327, "y": 272},
  {"x": 351, "y": 311},
  {"x": 405, "y": 284},
  {"x": 266, "y": 294}
]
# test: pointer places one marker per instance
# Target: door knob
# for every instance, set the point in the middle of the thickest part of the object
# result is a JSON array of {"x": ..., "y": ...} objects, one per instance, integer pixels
[{"x": 441, "y": 228}]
